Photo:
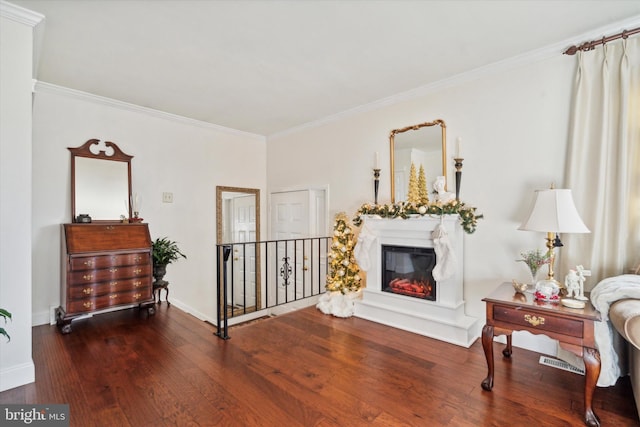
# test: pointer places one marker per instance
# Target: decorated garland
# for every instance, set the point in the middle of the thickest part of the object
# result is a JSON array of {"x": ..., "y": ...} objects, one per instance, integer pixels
[{"x": 468, "y": 217}]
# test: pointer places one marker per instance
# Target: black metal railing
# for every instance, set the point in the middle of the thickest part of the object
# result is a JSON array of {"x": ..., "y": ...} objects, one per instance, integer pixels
[{"x": 257, "y": 276}]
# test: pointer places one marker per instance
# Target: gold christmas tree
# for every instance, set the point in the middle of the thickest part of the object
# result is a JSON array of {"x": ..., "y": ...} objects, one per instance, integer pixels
[
  {"x": 413, "y": 196},
  {"x": 422, "y": 186},
  {"x": 344, "y": 273}
]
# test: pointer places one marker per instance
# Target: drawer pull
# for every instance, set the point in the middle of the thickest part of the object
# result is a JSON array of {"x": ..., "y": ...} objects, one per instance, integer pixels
[
  {"x": 137, "y": 284},
  {"x": 87, "y": 291},
  {"x": 113, "y": 270},
  {"x": 89, "y": 263},
  {"x": 87, "y": 304},
  {"x": 113, "y": 284},
  {"x": 113, "y": 296},
  {"x": 109, "y": 227},
  {"x": 534, "y": 320},
  {"x": 137, "y": 258},
  {"x": 88, "y": 277},
  {"x": 137, "y": 271},
  {"x": 137, "y": 296}
]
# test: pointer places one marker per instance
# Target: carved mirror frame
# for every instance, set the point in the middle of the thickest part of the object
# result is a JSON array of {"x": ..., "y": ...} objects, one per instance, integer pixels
[
  {"x": 392, "y": 136},
  {"x": 111, "y": 153}
]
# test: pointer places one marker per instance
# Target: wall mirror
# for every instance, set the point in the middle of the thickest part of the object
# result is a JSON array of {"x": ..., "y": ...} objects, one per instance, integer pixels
[
  {"x": 238, "y": 214},
  {"x": 238, "y": 223},
  {"x": 423, "y": 144},
  {"x": 100, "y": 181}
]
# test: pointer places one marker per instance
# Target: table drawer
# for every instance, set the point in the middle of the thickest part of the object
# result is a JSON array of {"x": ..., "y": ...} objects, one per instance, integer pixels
[
  {"x": 540, "y": 321},
  {"x": 106, "y": 261}
]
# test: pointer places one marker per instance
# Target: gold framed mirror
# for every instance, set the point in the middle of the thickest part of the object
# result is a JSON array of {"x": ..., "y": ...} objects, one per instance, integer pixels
[
  {"x": 237, "y": 214},
  {"x": 423, "y": 144},
  {"x": 100, "y": 181},
  {"x": 238, "y": 224}
]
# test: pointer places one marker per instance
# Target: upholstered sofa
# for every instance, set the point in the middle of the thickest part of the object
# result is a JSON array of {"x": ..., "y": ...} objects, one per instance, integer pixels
[
  {"x": 618, "y": 335},
  {"x": 624, "y": 315}
]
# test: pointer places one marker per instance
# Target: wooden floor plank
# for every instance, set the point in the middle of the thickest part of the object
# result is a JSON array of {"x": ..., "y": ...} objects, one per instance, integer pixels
[{"x": 299, "y": 369}]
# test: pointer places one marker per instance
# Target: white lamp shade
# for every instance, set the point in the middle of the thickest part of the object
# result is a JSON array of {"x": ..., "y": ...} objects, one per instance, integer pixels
[{"x": 554, "y": 211}]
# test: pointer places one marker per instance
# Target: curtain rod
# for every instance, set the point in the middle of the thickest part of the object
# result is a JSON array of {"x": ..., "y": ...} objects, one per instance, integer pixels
[{"x": 586, "y": 46}]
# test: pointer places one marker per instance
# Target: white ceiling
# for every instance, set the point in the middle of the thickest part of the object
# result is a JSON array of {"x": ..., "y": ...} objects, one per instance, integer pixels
[{"x": 268, "y": 66}]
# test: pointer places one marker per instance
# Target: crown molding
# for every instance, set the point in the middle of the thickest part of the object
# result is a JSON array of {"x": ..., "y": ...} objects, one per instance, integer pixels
[
  {"x": 524, "y": 59},
  {"x": 20, "y": 14},
  {"x": 44, "y": 87}
]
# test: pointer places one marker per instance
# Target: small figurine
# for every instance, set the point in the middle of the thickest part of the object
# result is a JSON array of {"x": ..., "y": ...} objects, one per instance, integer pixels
[
  {"x": 443, "y": 196},
  {"x": 519, "y": 287},
  {"x": 581, "y": 275},
  {"x": 572, "y": 283}
]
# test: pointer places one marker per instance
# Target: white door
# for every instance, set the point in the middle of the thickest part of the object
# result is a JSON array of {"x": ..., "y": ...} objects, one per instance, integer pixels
[{"x": 296, "y": 215}]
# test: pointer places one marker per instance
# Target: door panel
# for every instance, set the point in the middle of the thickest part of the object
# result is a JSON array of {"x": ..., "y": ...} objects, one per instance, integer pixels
[
  {"x": 243, "y": 229},
  {"x": 297, "y": 215}
]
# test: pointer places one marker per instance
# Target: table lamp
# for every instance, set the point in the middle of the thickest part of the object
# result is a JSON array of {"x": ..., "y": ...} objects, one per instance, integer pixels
[{"x": 553, "y": 213}]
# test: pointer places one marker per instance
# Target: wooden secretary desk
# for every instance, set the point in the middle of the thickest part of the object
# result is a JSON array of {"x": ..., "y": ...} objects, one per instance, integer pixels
[
  {"x": 103, "y": 266},
  {"x": 106, "y": 263}
]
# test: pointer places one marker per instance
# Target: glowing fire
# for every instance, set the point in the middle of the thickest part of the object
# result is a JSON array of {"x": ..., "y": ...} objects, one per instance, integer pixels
[{"x": 411, "y": 287}]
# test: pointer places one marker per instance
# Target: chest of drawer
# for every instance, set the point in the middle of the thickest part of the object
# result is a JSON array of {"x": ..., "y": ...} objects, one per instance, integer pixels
[
  {"x": 102, "y": 288},
  {"x": 109, "y": 300},
  {"x": 533, "y": 320},
  {"x": 107, "y": 261},
  {"x": 109, "y": 274}
]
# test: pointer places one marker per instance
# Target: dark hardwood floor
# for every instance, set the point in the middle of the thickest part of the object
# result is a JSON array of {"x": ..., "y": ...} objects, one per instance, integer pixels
[{"x": 299, "y": 369}]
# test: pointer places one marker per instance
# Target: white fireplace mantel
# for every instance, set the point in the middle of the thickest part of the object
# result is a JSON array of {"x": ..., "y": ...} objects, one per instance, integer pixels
[{"x": 445, "y": 318}]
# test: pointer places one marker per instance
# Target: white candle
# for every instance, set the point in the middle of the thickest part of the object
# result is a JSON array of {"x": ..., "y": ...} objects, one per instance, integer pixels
[
  {"x": 376, "y": 161},
  {"x": 458, "y": 148}
]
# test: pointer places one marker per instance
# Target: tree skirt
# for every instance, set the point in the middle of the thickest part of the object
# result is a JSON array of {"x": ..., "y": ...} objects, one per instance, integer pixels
[{"x": 338, "y": 304}]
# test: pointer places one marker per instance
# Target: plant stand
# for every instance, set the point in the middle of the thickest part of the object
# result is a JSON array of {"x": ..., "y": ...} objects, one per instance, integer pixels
[
  {"x": 159, "y": 270},
  {"x": 157, "y": 288}
]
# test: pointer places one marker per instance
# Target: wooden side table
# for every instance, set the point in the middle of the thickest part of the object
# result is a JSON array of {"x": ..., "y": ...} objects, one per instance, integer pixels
[{"x": 508, "y": 311}]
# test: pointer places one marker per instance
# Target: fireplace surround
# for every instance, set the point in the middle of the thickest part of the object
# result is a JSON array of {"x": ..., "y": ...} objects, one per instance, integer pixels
[{"x": 441, "y": 316}]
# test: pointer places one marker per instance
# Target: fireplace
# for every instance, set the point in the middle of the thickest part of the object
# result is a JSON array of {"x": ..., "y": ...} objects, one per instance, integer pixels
[
  {"x": 408, "y": 271},
  {"x": 439, "y": 313}
]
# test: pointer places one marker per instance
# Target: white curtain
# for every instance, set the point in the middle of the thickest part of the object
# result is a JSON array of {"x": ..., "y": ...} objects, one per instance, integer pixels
[{"x": 603, "y": 161}]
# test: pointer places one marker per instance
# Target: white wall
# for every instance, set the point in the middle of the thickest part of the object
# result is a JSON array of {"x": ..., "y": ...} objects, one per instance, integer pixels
[
  {"x": 513, "y": 121},
  {"x": 16, "y": 50},
  {"x": 184, "y": 157}
]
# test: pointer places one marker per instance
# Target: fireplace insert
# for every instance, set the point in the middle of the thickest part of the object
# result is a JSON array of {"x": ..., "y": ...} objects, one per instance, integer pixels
[{"x": 408, "y": 271}]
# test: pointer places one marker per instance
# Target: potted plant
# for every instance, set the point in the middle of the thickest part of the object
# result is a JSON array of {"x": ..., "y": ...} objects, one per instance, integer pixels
[
  {"x": 5, "y": 315},
  {"x": 164, "y": 252}
]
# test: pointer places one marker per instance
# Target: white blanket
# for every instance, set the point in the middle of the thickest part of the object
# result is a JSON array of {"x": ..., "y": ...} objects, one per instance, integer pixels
[{"x": 603, "y": 295}]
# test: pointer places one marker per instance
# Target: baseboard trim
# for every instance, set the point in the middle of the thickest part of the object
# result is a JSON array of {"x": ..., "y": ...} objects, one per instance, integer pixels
[{"x": 16, "y": 376}]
